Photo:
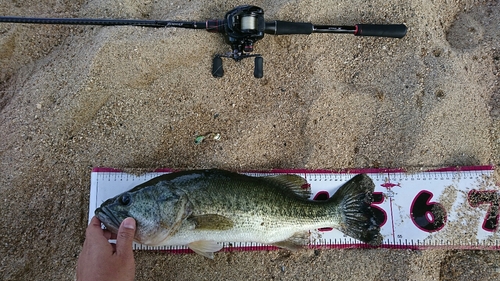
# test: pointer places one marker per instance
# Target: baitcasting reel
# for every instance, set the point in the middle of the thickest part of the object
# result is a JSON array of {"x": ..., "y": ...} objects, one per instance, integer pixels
[{"x": 243, "y": 27}]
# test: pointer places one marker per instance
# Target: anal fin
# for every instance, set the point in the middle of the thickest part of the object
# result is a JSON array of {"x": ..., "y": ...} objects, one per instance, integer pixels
[
  {"x": 296, "y": 242},
  {"x": 205, "y": 248}
]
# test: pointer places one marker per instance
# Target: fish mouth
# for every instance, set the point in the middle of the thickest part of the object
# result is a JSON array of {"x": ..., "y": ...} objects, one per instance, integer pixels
[{"x": 108, "y": 218}]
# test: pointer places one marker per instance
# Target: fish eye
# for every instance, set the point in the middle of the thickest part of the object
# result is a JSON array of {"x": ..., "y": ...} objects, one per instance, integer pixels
[{"x": 125, "y": 199}]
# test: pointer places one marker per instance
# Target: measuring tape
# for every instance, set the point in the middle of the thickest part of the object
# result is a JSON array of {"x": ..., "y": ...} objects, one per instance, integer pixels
[{"x": 455, "y": 208}]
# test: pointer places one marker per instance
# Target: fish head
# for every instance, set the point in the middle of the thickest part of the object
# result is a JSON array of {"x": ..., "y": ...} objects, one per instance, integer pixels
[{"x": 158, "y": 212}]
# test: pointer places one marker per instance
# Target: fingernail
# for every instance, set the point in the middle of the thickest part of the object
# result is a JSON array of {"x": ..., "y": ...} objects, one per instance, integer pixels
[{"x": 129, "y": 223}]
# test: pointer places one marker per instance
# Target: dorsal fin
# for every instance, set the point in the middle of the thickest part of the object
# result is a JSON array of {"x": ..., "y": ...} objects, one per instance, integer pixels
[{"x": 295, "y": 183}]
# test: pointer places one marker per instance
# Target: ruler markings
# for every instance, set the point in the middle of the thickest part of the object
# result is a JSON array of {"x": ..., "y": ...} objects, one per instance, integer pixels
[{"x": 409, "y": 218}]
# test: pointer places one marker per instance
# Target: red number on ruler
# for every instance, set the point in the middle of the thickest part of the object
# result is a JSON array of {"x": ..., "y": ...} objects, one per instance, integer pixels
[
  {"x": 380, "y": 214},
  {"x": 427, "y": 216},
  {"x": 491, "y": 197},
  {"x": 323, "y": 196}
]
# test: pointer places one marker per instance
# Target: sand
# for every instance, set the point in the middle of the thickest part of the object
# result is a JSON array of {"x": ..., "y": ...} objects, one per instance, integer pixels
[{"x": 73, "y": 98}]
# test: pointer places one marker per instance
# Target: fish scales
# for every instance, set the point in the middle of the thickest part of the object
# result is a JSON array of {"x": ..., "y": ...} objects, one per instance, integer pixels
[
  {"x": 257, "y": 207},
  {"x": 252, "y": 196}
]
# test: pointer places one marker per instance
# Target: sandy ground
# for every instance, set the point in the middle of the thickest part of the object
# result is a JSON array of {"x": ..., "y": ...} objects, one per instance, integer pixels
[{"x": 72, "y": 98}]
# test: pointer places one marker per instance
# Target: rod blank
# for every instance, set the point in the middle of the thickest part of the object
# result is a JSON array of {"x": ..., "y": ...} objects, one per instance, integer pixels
[{"x": 106, "y": 22}]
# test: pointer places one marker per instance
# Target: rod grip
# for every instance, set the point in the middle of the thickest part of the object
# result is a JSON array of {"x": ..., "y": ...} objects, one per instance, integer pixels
[
  {"x": 381, "y": 30},
  {"x": 278, "y": 27}
]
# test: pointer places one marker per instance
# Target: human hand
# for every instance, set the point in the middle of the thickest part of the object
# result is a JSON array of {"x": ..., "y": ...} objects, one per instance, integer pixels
[{"x": 101, "y": 260}]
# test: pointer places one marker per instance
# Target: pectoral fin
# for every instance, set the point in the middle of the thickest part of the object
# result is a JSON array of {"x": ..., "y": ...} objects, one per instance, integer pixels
[
  {"x": 211, "y": 222},
  {"x": 205, "y": 248}
]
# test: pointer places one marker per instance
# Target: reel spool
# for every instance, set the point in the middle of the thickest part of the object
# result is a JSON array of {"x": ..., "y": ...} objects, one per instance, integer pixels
[{"x": 248, "y": 23}]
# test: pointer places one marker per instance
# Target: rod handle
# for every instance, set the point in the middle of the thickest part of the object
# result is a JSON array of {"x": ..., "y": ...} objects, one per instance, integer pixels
[
  {"x": 381, "y": 30},
  {"x": 278, "y": 27}
]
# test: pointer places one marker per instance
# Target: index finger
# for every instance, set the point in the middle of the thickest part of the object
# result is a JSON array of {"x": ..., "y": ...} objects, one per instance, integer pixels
[
  {"x": 108, "y": 234},
  {"x": 94, "y": 227}
]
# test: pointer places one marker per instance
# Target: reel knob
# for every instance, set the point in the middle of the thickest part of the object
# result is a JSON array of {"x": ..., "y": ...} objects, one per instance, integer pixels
[
  {"x": 217, "y": 70},
  {"x": 258, "y": 71}
]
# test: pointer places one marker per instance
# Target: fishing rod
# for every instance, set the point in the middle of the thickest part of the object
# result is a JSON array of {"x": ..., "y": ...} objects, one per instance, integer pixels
[{"x": 242, "y": 27}]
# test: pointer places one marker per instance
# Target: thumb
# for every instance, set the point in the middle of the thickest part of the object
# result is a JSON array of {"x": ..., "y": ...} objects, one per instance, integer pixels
[{"x": 125, "y": 237}]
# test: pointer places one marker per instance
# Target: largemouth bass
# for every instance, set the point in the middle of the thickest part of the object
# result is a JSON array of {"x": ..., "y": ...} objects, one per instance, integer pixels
[{"x": 201, "y": 208}]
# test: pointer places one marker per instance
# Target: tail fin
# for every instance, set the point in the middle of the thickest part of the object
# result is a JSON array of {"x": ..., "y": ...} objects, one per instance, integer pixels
[{"x": 353, "y": 199}]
